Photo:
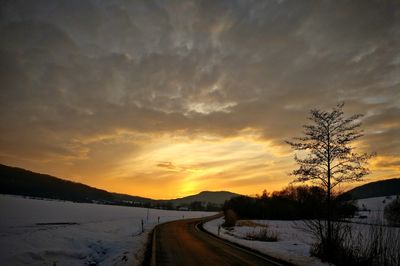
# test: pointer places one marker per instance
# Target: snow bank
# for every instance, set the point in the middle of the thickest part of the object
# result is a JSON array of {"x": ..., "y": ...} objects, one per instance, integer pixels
[
  {"x": 293, "y": 244},
  {"x": 45, "y": 232}
]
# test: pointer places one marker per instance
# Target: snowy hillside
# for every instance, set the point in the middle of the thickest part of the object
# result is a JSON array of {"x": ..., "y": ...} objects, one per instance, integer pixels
[
  {"x": 375, "y": 204},
  {"x": 43, "y": 232},
  {"x": 371, "y": 209}
]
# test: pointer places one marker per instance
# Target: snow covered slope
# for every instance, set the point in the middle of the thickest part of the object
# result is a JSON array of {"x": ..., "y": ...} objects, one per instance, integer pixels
[
  {"x": 375, "y": 204},
  {"x": 43, "y": 232},
  {"x": 372, "y": 209}
]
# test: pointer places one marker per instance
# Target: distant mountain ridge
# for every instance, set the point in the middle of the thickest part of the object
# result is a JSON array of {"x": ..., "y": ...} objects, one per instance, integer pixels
[
  {"x": 217, "y": 197},
  {"x": 18, "y": 181},
  {"x": 380, "y": 188}
]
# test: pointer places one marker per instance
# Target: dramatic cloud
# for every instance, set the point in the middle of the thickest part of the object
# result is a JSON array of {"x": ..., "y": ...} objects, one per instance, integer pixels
[{"x": 145, "y": 97}]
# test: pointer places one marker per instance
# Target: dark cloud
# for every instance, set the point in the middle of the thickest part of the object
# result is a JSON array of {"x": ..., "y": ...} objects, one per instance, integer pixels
[
  {"x": 72, "y": 70},
  {"x": 389, "y": 164}
]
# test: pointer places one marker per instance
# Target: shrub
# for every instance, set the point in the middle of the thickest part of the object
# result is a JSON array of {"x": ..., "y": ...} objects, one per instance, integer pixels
[
  {"x": 230, "y": 218},
  {"x": 367, "y": 245},
  {"x": 392, "y": 212},
  {"x": 250, "y": 223},
  {"x": 263, "y": 235},
  {"x": 333, "y": 250}
]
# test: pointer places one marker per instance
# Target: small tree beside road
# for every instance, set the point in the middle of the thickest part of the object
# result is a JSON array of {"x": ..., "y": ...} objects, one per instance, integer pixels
[{"x": 329, "y": 159}]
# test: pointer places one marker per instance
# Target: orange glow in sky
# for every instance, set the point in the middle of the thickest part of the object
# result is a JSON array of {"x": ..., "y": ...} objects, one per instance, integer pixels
[{"x": 169, "y": 98}]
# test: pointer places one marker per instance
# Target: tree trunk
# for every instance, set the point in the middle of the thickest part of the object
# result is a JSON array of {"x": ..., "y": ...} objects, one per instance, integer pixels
[
  {"x": 329, "y": 218},
  {"x": 329, "y": 230}
]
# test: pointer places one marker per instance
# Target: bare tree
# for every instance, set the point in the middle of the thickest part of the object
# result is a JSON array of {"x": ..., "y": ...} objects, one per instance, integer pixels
[{"x": 330, "y": 159}]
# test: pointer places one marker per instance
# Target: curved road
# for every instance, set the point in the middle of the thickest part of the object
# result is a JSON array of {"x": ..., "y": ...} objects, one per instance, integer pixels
[{"x": 184, "y": 243}]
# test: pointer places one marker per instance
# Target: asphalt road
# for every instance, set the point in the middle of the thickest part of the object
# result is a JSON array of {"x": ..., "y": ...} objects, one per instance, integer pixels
[{"x": 183, "y": 243}]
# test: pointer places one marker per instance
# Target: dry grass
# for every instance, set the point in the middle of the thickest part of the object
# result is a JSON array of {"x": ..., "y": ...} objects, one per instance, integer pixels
[
  {"x": 376, "y": 245},
  {"x": 250, "y": 223},
  {"x": 264, "y": 234}
]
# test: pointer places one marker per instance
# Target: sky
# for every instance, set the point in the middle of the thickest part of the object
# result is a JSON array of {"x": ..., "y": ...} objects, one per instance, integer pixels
[{"x": 165, "y": 99}]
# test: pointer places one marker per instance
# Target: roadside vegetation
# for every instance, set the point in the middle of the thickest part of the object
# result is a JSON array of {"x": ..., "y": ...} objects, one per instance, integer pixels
[
  {"x": 328, "y": 160},
  {"x": 262, "y": 234},
  {"x": 353, "y": 244},
  {"x": 291, "y": 203}
]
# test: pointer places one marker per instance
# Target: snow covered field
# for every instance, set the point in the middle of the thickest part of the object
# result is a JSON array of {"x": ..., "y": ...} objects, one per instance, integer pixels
[
  {"x": 371, "y": 209},
  {"x": 45, "y": 232},
  {"x": 293, "y": 243}
]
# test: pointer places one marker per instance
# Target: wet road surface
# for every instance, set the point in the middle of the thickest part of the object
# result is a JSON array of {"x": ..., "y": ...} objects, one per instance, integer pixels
[{"x": 184, "y": 243}]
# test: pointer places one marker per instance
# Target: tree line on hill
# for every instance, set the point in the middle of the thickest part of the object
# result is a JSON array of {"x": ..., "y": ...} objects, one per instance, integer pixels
[
  {"x": 291, "y": 203},
  {"x": 192, "y": 206}
]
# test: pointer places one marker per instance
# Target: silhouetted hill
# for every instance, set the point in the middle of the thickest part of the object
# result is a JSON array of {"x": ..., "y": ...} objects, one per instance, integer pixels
[
  {"x": 381, "y": 188},
  {"x": 17, "y": 181},
  {"x": 215, "y": 197}
]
